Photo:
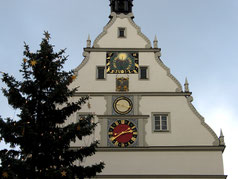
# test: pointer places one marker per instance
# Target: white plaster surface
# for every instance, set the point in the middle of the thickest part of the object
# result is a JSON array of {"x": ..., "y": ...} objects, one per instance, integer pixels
[
  {"x": 111, "y": 40},
  {"x": 185, "y": 127},
  {"x": 158, "y": 80},
  {"x": 160, "y": 163}
]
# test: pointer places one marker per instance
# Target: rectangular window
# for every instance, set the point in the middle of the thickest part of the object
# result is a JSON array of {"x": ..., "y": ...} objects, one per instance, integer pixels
[
  {"x": 160, "y": 122},
  {"x": 121, "y": 32},
  {"x": 143, "y": 73},
  {"x": 100, "y": 72}
]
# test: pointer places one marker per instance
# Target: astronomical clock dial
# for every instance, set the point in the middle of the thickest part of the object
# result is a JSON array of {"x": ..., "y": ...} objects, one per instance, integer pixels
[
  {"x": 122, "y": 105},
  {"x": 122, "y": 62},
  {"x": 122, "y": 133}
]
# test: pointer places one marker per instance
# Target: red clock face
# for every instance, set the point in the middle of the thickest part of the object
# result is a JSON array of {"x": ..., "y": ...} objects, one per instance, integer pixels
[{"x": 122, "y": 133}]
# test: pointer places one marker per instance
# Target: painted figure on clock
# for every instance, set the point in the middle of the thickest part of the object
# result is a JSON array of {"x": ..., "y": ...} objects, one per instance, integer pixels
[{"x": 122, "y": 62}]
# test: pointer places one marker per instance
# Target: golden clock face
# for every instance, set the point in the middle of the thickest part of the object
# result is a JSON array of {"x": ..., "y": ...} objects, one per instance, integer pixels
[
  {"x": 122, "y": 62},
  {"x": 122, "y": 133},
  {"x": 122, "y": 105}
]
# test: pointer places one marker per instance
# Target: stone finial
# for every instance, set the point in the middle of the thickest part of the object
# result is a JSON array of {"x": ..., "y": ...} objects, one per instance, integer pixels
[
  {"x": 186, "y": 85},
  {"x": 221, "y": 138},
  {"x": 155, "y": 42},
  {"x": 89, "y": 42}
]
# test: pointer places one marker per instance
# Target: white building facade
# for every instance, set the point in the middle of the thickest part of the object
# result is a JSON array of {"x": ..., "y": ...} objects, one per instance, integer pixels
[{"x": 147, "y": 125}]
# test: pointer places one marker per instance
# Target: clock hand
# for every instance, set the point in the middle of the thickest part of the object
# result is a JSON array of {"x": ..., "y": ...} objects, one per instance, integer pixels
[
  {"x": 129, "y": 130},
  {"x": 123, "y": 132}
]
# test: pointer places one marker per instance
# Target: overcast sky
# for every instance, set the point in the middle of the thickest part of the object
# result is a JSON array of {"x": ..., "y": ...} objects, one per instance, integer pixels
[{"x": 198, "y": 38}]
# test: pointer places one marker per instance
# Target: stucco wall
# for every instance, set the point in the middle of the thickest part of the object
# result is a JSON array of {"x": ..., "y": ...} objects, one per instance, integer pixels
[
  {"x": 158, "y": 80},
  {"x": 160, "y": 163},
  {"x": 185, "y": 128},
  {"x": 110, "y": 34}
]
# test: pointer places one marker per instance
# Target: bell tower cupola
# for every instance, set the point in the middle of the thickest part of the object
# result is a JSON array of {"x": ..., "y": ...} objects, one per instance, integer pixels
[{"x": 121, "y": 6}]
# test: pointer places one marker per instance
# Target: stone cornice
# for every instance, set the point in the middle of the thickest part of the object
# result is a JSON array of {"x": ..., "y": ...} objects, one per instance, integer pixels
[
  {"x": 201, "y": 118},
  {"x": 162, "y": 148},
  {"x": 86, "y": 58},
  {"x": 159, "y": 61},
  {"x": 133, "y": 93},
  {"x": 122, "y": 50},
  {"x": 124, "y": 116},
  {"x": 164, "y": 176}
]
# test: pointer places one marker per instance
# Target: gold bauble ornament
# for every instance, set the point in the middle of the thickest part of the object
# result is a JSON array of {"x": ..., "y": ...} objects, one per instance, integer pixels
[
  {"x": 73, "y": 77},
  {"x": 63, "y": 173},
  {"x": 78, "y": 128},
  {"x": 89, "y": 105},
  {"x": 33, "y": 63},
  {"x": 5, "y": 175}
]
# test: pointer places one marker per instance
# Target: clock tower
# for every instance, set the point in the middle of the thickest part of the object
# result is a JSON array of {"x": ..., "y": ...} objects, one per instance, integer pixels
[
  {"x": 147, "y": 124},
  {"x": 121, "y": 6}
]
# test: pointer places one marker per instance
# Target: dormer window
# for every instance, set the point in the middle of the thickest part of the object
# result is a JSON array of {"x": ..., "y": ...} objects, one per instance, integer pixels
[{"x": 121, "y": 32}]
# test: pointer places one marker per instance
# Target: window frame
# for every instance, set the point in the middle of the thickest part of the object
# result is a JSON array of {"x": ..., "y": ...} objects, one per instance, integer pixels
[
  {"x": 119, "y": 30},
  {"x": 97, "y": 73},
  {"x": 160, "y": 114},
  {"x": 147, "y": 73}
]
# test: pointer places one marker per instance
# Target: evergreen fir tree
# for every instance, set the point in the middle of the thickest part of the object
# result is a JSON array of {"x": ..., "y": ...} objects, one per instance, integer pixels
[{"x": 40, "y": 133}]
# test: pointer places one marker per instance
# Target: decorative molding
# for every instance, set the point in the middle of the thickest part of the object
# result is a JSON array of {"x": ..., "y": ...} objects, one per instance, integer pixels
[
  {"x": 216, "y": 139},
  {"x": 85, "y": 60},
  {"x": 122, "y": 50},
  {"x": 162, "y": 148},
  {"x": 142, "y": 122},
  {"x": 113, "y": 19},
  {"x": 122, "y": 15},
  {"x": 108, "y": 105},
  {"x": 103, "y": 123},
  {"x": 104, "y": 32},
  {"x": 148, "y": 45},
  {"x": 133, "y": 93},
  {"x": 190, "y": 99},
  {"x": 145, "y": 132},
  {"x": 123, "y": 116},
  {"x": 102, "y": 133},
  {"x": 157, "y": 58},
  {"x": 163, "y": 176}
]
